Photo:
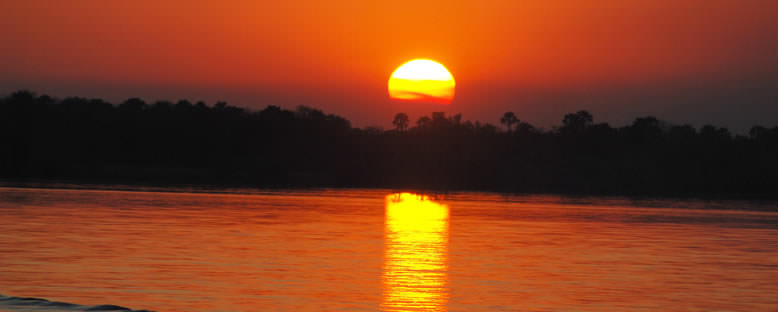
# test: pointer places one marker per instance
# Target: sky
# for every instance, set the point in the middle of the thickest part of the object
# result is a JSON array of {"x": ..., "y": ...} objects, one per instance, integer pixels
[{"x": 687, "y": 61}]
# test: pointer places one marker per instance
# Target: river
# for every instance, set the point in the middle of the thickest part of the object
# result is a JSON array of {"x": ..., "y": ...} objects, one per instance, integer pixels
[{"x": 381, "y": 250}]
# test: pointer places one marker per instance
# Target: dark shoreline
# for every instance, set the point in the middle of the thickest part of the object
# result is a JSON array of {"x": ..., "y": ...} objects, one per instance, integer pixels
[{"x": 165, "y": 144}]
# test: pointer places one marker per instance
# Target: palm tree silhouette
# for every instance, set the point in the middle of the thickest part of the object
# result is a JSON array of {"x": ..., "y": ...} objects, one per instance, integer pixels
[{"x": 508, "y": 119}]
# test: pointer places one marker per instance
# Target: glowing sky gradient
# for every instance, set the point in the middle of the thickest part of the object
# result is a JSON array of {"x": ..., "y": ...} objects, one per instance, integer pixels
[{"x": 693, "y": 60}]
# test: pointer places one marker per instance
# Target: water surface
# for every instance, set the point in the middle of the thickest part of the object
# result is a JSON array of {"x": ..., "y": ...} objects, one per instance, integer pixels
[{"x": 378, "y": 250}]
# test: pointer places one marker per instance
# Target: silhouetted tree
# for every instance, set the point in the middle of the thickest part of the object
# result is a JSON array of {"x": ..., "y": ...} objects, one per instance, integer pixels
[
  {"x": 184, "y": 106},
  {"x": 423, "y": 122},
  {"x": 400, "y": 121},
  {"x": 132, "y": 106},
  {"x": 713, "y": 134},
  {"x": 645, "y": 129},
  {"x": 456, "y": 119},
  {"x": 577, "y": 122},
  {"x": 524, "y": 127},
  {"x": 439, "y": 117},
  {"x": 508, "y": 119},
  {"x": 757, "y": 132}
]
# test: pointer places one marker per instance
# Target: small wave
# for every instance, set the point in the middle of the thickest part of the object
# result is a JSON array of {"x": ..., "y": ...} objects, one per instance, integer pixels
[{"x": 37, "y": 304}]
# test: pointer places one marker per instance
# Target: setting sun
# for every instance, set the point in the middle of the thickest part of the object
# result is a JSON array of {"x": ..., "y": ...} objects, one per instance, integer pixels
[{"x": 422, "y": 81}]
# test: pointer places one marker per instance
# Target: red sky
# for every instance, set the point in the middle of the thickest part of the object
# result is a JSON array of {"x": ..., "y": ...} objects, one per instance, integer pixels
[{"x": 684, "y": 61}]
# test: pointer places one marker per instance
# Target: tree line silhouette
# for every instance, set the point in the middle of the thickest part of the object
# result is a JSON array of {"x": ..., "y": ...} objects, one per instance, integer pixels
[{"x": 84, "y": 140}]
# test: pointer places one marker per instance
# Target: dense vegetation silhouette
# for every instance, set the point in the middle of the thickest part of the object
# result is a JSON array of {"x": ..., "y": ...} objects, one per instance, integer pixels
[{"x": 85, "y": 140}]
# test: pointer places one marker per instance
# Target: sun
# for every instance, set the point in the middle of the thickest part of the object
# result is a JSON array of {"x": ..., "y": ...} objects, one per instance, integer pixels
[{"x": 422, "y": 80}]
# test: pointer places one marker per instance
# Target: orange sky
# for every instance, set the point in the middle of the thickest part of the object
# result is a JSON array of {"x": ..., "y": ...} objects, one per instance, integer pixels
[{"x": 617, "y": 58}]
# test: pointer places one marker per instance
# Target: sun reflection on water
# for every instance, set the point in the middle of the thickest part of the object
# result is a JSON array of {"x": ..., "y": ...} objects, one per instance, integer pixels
[{"x": 416, "y": 254}]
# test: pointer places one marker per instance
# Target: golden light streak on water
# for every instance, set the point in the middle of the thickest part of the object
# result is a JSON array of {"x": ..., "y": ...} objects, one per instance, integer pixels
[{"x": 415, "y": 254}]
